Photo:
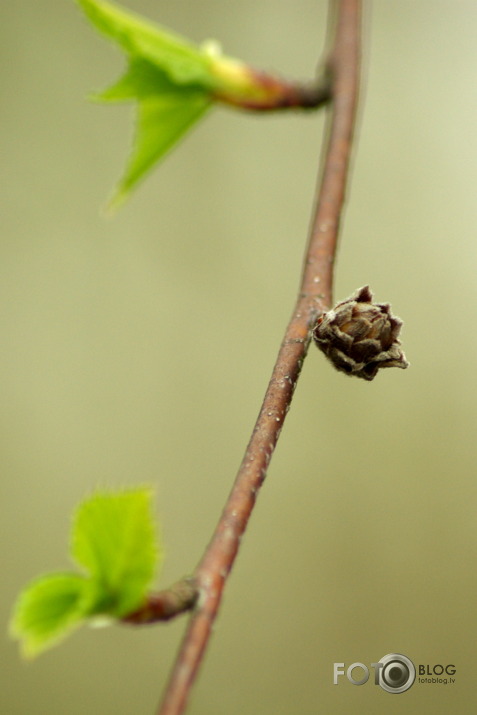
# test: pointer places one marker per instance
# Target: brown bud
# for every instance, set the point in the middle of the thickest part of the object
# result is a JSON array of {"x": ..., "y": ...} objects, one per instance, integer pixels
[{"x": 360, "y": 336}]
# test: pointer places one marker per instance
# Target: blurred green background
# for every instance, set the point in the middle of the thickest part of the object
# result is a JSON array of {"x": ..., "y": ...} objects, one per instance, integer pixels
[{"x": 138, "y": 349}]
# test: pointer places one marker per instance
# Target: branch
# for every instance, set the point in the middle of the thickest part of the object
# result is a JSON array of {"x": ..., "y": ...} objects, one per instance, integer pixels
[
  {"x": 315, "y": 297},
  {"x": 277, "y": 93},
  {"x": 164, "y": 605}
]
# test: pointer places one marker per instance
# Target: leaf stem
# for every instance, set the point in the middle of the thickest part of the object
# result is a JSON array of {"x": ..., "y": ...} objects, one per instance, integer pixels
[
  {"x": 263, "y": 92},
  {"x": 315, "y": 296},
  {"x": 164, "y": 605}
]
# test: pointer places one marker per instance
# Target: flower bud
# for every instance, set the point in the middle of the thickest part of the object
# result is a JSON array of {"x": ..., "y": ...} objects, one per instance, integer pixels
[{"x": 360, "y": 336}]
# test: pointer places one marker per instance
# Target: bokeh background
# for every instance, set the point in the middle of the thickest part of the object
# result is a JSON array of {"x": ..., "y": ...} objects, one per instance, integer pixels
[{"x": 138, "y": 349}]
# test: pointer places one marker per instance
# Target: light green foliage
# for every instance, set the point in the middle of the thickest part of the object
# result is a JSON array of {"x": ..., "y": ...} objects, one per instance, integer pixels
[
  {"x": 113, "y": 540},
  {"x": 170, "y": 78},
  {"x": 48, "y": 609},
  {"x": 173, "y": 81},
  {"x": 164, "y": 114},
  {"x": 175, "y": 56}
]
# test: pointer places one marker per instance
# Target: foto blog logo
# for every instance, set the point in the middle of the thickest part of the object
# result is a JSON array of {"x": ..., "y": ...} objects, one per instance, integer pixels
[{"x": 394, "y": 673}]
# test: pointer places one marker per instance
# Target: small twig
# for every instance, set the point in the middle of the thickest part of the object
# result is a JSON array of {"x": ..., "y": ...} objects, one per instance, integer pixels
[
  {"x": 164, "y": 605},
  {"x": 280, "y": 94},
  {"x": 314, "y": 298}
]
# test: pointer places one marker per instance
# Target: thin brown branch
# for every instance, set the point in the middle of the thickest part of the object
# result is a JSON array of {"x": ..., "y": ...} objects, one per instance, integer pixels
[
  {"x": 315, "y": 296},
  {"x": 164, "y": 605},
  {"x": 277, "y": 93}
]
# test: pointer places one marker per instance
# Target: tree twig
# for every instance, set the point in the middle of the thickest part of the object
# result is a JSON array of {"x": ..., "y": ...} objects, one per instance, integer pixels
[
  {"x": 280, "y": 94},
  {"x": 164, "y": 605},
  {"x": 315, "y": 296}
]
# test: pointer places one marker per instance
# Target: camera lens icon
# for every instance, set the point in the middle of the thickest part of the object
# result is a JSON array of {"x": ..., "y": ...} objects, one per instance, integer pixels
[{"x": 397, "y": 673}]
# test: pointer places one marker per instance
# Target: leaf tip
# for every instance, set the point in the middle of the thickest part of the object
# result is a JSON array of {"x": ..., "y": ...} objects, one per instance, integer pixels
[{"x": 117, "y": 199}]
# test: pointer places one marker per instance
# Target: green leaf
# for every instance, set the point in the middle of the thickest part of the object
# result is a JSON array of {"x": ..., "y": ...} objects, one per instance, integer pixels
[
  {"x": 160, "y": 123},
  {"x": 181, "y": 60},
  {"x": 48, "y": 609},
  {"x": 165, "y": 112},
  {"x": 174, "y": 83},
  {"x": 142, "y": 80},
  {"x": 170, "y": 79},
  {"x": 113, "y": 538}
]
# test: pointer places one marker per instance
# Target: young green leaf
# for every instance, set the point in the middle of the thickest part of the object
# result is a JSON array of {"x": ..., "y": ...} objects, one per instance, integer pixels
[
  {"x": 165, "y": 112},
  {"x": 48, "y": 609},
  {"x": 170, "y": 79},
  {"x": 161, "y": 122},
  {"x": 113, "y": 538},
  {"x": 182, "y": 61},
  {"x": 174, "y": 83}
]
